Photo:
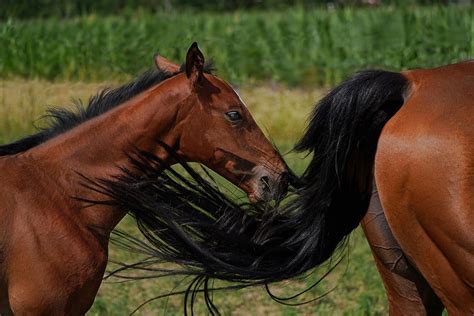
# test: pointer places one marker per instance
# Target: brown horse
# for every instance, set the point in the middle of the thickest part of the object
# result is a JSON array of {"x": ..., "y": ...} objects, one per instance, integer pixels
[
  {"x": 53, "y": 250},
  {"x": 411, "y": 131},
  {"x": 422, "y": 238}
]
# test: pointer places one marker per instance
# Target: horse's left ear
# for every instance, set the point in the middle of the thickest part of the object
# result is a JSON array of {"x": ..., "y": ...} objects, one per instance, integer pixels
[
  {"x": 194, "y": 64},
  {"x": 164, "y": 64}
]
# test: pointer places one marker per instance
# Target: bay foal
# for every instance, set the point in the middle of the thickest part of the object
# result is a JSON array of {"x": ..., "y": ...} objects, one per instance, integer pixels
[{"x": 53, "y": 250}]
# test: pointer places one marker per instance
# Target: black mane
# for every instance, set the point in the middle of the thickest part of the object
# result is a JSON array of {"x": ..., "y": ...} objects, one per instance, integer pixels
[{"x": 60, "y": 120}]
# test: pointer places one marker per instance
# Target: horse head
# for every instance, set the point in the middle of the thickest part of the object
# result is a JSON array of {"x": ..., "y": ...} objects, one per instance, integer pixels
[{"x": 216, "y": 129}]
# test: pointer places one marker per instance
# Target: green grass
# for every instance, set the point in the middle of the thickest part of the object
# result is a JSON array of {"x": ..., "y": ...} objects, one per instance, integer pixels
[
  {"x": 294, "y": 46},
  {"x": 282, "y": 114}
]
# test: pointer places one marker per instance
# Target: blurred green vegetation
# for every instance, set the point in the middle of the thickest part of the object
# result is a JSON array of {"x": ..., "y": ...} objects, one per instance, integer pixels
[
  {"x": 293, "y": 46},
  {"x": 65, "y": 9}
]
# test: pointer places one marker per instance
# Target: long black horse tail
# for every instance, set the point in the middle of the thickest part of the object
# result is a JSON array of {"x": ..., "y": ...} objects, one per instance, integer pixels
[{"x": 343, "y": 135}]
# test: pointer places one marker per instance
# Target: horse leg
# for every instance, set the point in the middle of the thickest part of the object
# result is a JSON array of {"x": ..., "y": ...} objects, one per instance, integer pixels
[{"x": 407, "y": 291}]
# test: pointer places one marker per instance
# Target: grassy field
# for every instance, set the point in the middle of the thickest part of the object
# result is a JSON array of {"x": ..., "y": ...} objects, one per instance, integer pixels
[
  {"x": 282, "y": 114},
  {"x": 294, "y": 46}
]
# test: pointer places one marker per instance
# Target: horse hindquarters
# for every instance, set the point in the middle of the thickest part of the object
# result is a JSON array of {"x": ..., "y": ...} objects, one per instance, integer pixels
[
  {"x": 424, "y": 171},
  {"x": 442, "y": 257},
  {"x": 407, "y": 291}
]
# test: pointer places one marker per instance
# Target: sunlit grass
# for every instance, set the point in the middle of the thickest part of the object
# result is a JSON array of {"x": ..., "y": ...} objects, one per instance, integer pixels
[{"x": 282, "y": 114}]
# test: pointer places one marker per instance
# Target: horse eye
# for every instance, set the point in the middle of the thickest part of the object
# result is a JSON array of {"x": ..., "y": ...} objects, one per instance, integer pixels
[{"x": 234, "y": 116}]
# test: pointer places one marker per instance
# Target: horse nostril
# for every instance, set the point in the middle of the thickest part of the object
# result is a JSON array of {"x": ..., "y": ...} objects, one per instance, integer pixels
[{"x": 265, "y": 181}]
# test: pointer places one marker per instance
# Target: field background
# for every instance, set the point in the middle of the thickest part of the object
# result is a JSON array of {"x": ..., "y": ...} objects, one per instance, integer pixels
[{"x": 281, "y": 55}]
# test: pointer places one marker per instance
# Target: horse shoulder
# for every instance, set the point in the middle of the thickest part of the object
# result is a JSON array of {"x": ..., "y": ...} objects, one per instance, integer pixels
[{"x": 44, "y": 243}]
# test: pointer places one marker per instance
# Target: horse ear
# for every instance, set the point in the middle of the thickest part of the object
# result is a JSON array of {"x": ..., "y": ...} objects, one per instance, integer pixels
[
  {"x": 194, "y": 64},
  {"x": 164, "y": 64}
]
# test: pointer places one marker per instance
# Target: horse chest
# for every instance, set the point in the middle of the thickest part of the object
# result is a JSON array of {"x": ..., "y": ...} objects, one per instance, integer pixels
[
  {"x": 56, "y": 269},
  {"x": 53, "y": 264}
]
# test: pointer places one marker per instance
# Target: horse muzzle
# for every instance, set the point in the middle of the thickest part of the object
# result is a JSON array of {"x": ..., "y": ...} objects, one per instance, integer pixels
[{"x": 268, "y": 185}]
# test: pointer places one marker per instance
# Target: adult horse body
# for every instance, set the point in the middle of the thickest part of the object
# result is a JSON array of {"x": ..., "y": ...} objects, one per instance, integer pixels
[
  {"x": 411, "y": 131},
  {"x": 53, "y": 249}
]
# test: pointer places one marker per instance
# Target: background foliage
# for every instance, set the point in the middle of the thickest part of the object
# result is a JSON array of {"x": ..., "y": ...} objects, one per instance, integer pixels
[
  {"x": 292, "y": 46},
  {"x": 70, "y": 8}
]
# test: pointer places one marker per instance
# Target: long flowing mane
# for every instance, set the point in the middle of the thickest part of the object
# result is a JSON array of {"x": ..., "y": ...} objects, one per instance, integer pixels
[{"x": 60, "y": 120}]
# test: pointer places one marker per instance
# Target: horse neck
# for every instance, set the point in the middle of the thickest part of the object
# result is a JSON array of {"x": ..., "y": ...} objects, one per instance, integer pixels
[{"x": 97, "y": 148}]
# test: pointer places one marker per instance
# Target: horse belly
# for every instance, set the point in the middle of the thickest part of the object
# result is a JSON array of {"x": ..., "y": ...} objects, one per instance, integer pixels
[{"x": 424, "y": 169}]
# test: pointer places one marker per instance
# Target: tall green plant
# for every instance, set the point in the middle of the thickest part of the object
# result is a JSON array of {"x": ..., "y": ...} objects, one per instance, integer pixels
[{"x": 295, "y": 46}]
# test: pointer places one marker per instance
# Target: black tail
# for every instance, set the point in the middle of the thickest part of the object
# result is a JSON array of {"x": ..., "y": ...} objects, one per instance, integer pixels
[
  {"x": 192, "y": 223},
  {"x": 342, "y": 135}
]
